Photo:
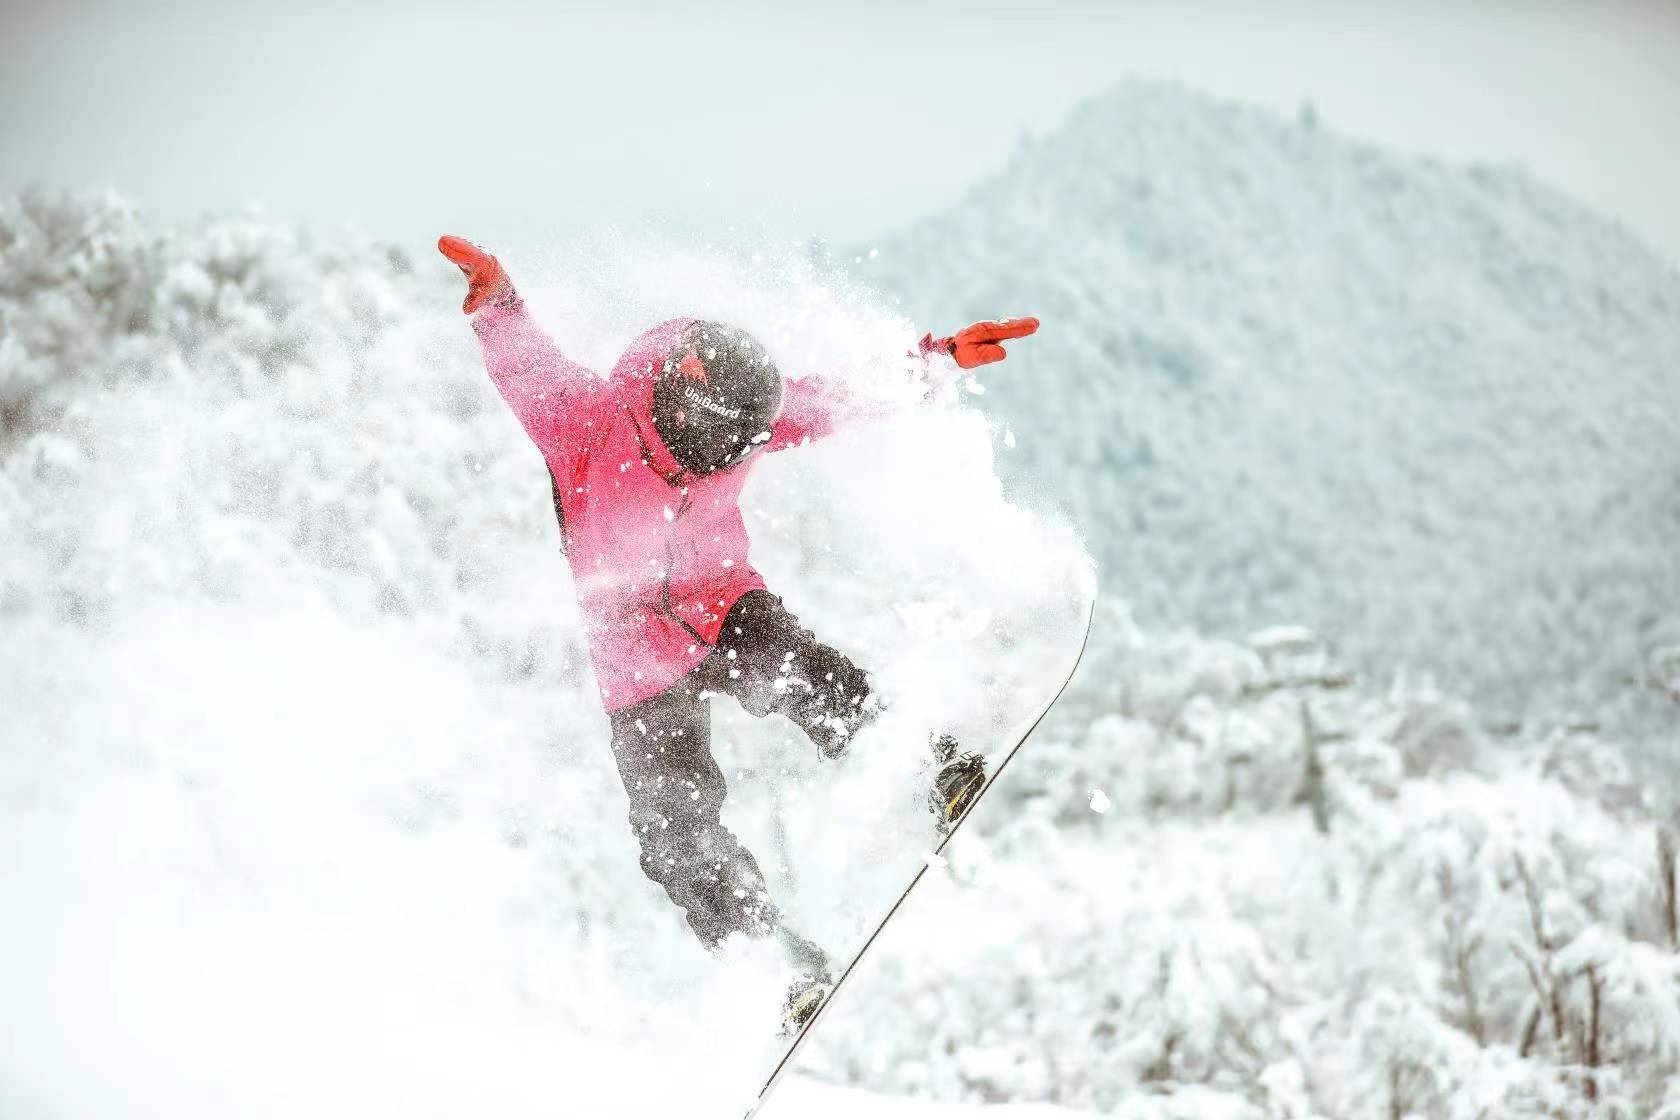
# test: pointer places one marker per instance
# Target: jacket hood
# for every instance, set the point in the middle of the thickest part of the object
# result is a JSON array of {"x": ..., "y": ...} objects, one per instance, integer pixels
[{"x": 634, "y": 378}]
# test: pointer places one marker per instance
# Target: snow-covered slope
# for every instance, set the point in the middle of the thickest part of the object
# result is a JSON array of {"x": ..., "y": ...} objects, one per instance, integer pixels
[
  {"x": 299, "y": 742},
  {"x": 1432, "y": 411}
]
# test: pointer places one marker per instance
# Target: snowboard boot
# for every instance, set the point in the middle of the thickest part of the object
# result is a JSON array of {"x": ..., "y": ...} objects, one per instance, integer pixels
[
  {"x": 957, "y": 781},
  {"x": 805, "y": 995},
  {"x": 813, "y": 979}
]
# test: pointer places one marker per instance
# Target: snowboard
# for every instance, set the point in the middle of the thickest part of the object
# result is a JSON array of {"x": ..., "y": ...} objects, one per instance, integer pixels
[{"x": 996, "y": 763}]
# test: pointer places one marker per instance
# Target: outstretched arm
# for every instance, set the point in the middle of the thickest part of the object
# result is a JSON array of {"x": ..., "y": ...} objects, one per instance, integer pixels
[
  {"x": 542, "y": 386},
  {"x": 813, "y": 406}
]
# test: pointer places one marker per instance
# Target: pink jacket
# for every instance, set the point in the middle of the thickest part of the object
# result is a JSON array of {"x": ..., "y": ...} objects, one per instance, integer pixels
[{"x": 658, "y": 555}]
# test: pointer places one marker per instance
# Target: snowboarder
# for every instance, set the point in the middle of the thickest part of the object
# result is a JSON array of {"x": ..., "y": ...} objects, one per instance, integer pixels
[{"x": 646, "y": 468}]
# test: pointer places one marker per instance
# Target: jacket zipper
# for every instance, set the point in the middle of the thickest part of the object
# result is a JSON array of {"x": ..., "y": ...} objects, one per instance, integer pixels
[
  {"x": 680, "y": 481},
  {"x": 670, "y": 564}
]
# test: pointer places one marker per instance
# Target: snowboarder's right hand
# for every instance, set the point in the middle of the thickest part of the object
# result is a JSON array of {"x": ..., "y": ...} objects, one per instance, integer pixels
[
  {"x": 977, "y": 345},
  {"x": 487, "y": 280}
]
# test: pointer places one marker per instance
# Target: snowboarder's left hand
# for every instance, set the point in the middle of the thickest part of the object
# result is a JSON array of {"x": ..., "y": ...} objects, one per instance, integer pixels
[{"x": 977, "y": 345}]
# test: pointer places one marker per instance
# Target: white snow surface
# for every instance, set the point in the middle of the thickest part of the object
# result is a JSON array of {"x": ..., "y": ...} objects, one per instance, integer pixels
[{"x": 268, "y": 872}]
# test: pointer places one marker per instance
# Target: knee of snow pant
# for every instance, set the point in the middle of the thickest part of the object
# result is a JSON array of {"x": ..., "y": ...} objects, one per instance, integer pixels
[
  {"x": 769, "y": 663},
  {"x": 676, "y": 791}
]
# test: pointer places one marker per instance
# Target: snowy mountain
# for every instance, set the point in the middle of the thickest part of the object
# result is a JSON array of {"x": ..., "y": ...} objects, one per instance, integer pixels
[{"x": 1431, "y": 411}]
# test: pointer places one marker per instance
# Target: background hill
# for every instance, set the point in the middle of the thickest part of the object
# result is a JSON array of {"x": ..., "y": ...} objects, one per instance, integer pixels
[{"x": 1431, "y": 411}]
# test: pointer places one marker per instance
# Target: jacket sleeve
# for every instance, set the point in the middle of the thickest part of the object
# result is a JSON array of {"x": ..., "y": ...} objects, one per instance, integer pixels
[
  {"x": 554, "y": 397},
  {"x": 812, "y": 407}
]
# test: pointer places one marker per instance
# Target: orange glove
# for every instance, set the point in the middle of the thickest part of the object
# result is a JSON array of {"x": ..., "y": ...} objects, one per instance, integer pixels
[
  {"x": 487, "y": 281},
  {"x": 978, "y": 345}
]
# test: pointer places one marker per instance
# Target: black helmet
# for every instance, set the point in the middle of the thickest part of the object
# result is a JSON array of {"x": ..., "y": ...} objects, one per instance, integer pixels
[{"x": 715, "y": 397}]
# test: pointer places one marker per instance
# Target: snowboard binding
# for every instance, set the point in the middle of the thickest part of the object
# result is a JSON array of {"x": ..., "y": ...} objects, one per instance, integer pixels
[{"x": 957, "y": 782}]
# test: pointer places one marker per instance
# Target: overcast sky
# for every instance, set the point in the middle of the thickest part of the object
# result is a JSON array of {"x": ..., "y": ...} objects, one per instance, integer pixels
[{"x": 505, "y": 120}]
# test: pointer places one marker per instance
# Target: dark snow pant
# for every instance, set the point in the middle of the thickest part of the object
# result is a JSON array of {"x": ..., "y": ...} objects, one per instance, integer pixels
[{"x": 768, "y": 663}]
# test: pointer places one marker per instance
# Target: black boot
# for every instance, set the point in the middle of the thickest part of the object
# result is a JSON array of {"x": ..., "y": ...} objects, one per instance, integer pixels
[
  {"x": 805, "y": 996},
  {"x": 813, "y": 979},
  {"x": 957, "y": 781}
]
